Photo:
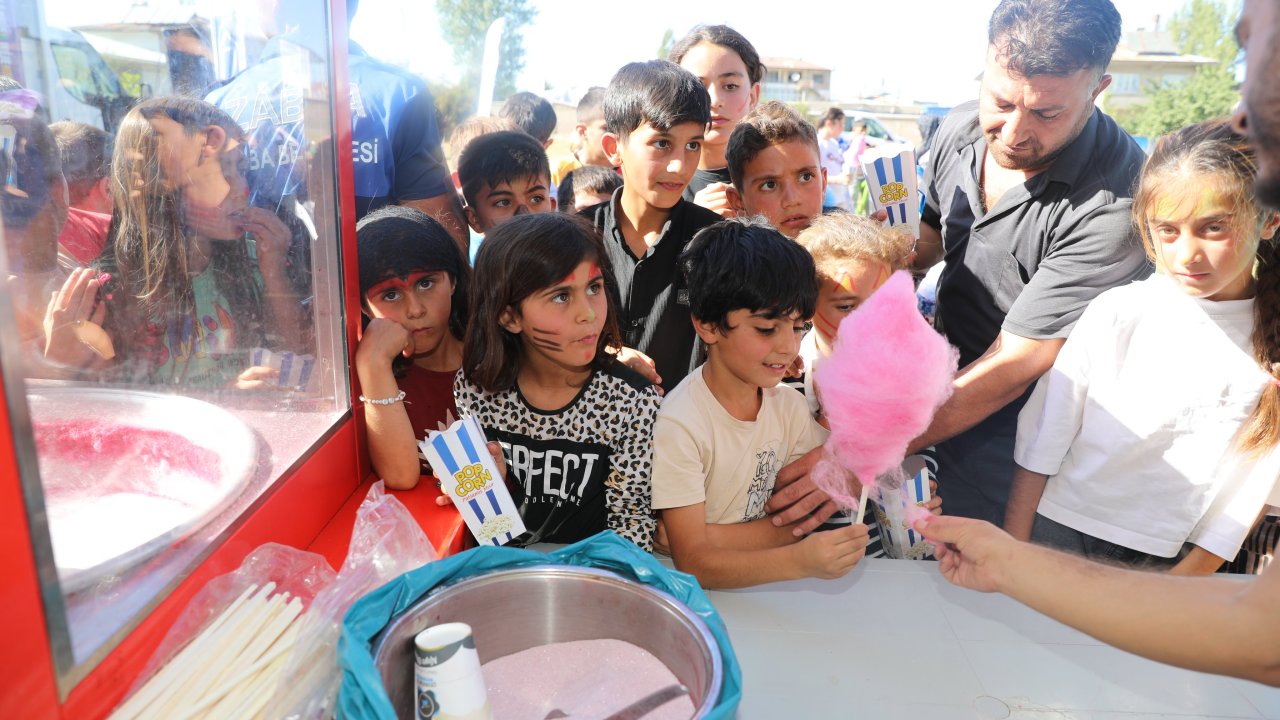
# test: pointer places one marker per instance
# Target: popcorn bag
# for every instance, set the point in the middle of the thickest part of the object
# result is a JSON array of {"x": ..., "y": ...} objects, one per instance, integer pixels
[
  {"x": 295, "y": 370},
  {"x": 893, "y": 508},
  {"x": 469, "y": 475},
  {"x": 892, "y": 177}
]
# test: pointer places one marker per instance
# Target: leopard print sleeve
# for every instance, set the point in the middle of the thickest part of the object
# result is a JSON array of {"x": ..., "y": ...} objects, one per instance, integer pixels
[{"x": 628, "y": 489}]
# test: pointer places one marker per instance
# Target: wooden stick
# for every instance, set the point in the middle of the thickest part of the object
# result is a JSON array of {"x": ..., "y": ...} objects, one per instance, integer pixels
[{"x": 862, "y": 504}]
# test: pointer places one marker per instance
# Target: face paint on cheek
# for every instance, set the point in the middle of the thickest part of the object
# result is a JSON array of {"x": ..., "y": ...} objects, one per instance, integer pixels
[
  {"x": 825, "y": 326},
  {"x": 545, "y": 339}
]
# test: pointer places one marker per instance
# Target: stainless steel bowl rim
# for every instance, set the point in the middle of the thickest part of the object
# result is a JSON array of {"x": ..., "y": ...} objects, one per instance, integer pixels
[{"x": 597, "y": 575}]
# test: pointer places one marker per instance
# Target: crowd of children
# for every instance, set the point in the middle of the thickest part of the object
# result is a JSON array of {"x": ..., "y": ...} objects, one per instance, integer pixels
[{"x": 643, "y": 358}]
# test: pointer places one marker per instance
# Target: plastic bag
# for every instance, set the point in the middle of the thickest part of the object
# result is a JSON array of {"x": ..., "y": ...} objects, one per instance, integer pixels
[
  {"x": 385, "y": 543},
  {"x": 362, "y": 694}
]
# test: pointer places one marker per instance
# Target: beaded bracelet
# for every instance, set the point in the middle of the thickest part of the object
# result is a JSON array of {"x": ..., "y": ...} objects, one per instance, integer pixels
[{"x": 383, "y": 401}]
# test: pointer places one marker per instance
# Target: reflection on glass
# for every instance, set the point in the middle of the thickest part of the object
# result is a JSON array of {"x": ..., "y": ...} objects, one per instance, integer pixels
[{"x": 171, "y": 261}]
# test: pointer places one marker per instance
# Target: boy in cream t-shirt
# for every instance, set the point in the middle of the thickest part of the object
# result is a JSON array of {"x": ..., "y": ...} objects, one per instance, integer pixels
[{"x": 724, "y": 432}]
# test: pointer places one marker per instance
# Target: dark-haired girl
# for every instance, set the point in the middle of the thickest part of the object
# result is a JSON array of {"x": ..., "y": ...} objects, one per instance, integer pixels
[
  {"x": 413, "y": 289},
  {"x": 730, "y": 69},
  {"x": 575, "y": 426}
]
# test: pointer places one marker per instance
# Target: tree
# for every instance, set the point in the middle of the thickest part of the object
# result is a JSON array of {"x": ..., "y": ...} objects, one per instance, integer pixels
[
  {"x": 668, "y": 42},
  {"x": 1202, "y": 27},
  {"x": 463, "y": 24},
  {"x": 1205, "y": 27}
]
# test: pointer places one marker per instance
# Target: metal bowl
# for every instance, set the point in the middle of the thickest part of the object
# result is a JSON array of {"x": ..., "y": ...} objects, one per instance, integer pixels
[{"x": 514, "y": 610}]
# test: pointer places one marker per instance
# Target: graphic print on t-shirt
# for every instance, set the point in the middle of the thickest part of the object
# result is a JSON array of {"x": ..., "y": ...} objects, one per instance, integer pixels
[
  {"x": 767, "y": 465},
  {"x": 559, "y": 485}
]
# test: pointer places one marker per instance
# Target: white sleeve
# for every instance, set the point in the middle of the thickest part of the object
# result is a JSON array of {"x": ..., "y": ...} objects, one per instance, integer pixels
[
  {"x": 1051, "y": 419},
  {"x": 1243, "y": 494}
]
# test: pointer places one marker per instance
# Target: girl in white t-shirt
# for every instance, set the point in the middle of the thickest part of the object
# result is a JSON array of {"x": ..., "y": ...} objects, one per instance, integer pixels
[{"x": 1152, "y": 439}]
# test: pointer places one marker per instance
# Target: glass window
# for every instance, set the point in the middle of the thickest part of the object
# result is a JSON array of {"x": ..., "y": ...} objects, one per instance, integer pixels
[
  {"x": 1126, "y": 84},
  {"x": 193, "y": 347}
]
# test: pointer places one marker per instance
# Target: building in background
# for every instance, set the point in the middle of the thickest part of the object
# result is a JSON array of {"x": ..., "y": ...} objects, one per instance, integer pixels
[
  {"x": 793, "y": 80},
  {"x": 1145, "y": 58}
]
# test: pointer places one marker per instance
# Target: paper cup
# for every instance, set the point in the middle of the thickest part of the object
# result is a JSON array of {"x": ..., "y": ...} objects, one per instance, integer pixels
[
  {"x": 470, "y": 477},
  {"x": 893, "y": 508},
  {"x": 449, "y": 684},
  {"x": 892, "y": 178}
]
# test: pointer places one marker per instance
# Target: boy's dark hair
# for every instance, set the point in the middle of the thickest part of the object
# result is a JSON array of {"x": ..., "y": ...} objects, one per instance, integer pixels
[
  {"x": 498, "y": 158},
  {"x": 833, "y": 114},
  {"x": 744, "y": 263},
  {"x": 1054, "y": 37},
  {"x": 531, "y": 114},
  {"x": 657, "y": 92},
  {"x": 591, "y": 106},
  {"x": 86, "y": 156},
  {"x": 593, "y": 178},
  {"x": 725, "y": 37},
  {"x": 770, "y": 123},
  {"x": 518, "y": 258},
  {"x": 395, "y": 241}
]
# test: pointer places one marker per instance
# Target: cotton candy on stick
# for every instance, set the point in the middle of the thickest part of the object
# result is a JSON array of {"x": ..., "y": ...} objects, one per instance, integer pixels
[{"x": 886, "y": 376}]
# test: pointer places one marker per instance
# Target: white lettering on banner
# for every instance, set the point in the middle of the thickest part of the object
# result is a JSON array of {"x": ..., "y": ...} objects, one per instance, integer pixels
[{"x": 364, "y": 152}]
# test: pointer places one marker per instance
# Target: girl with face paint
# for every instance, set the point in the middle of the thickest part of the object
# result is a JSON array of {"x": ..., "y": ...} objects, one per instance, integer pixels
[
  {"x": 539, "y": 373},
  {"x": 1152, "y": 440}
]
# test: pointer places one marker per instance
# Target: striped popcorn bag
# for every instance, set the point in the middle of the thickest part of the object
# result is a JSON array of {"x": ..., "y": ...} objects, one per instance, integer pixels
[
  {"x": 891, "y": 174},
  {"x": 469, "y": 476}
]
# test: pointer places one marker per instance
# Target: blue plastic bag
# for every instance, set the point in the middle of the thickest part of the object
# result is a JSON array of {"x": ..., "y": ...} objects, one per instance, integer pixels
[{"x": 362, "y": 694}]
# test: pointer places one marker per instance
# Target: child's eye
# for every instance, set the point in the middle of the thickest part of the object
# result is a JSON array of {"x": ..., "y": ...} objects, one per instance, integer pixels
[
  {"x": 595, "y": 288},
  {"x": 693, "y": 145},
  {"x": 846, "y": 308},
  {"x": 803, "y": 328},
  {"x": 537, "y": 199},
  {"x": 560, "y": 297},
  {"x": 662, "y": 144},
  {"x": 768, "y": 185},
  {"x": 807, "y": 176},
  {"x": 505, "y": 202},
  {"x": 390, "y": 296},
  {"x": 766, "y": 331},
  {"x": 426, "y": 283},
  {"x": 1215, "y": 228},
  {"x": 731, "y": 86}
]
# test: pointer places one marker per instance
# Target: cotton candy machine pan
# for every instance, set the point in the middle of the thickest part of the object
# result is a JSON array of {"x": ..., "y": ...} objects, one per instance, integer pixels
[{"x": 127, "y": 474}]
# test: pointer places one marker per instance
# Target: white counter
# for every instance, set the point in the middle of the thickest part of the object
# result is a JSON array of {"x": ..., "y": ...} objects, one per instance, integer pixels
[{"x": 894, "y": 640}]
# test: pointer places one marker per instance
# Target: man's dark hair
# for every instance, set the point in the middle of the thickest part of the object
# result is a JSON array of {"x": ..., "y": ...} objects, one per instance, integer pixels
[
  {"x": 593, "y": 178},
  {"x": 1054, "y": 37},
  {"x": 725, "y": 37},
  {"x": 770, "y": 123},
  {"x": 531, "y": 114},
  {"x": 744, "y": 263},
  {"x": 396, "y": 241},
  {"x": 657, "y": 92},
  {"x": 86, "y": 156},
  {"x": 834, "y": 114},
  {"x": 591, "y": 106},
  {"x": 498, "y": 158}
]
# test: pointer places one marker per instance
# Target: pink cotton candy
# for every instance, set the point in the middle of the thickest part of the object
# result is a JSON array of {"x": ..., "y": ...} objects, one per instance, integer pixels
[{"x": 882, "y": 383}]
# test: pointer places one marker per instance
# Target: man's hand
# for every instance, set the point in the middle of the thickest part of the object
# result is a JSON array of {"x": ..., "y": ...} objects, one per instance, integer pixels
[
  {"x": 971, "y": 553},
  {"x": 642, "y": 364},
  {"x": 832, "y": 554},
  {"x": 797, "y": 500}
]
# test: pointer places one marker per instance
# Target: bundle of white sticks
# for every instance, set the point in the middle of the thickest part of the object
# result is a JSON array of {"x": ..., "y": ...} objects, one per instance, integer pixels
[{"x": 230, "y": 669}]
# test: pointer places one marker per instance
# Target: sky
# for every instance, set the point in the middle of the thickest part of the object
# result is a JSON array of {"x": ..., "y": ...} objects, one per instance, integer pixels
[{"x": 932, "y": 55}]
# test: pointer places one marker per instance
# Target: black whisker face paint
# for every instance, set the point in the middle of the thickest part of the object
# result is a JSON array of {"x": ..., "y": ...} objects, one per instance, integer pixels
[{"x": 543, "y": 339}]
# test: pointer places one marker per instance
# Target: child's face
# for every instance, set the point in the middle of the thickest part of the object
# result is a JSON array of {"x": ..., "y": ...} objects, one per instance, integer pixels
[
  {"x": 496, "y": 205},
  {"x": 754, "y": 351},
  {"x": 656, "y": 165},
  {"x": 1203, "y": 243},
  {"x": 562, "y": 324},
  {"x": 420, "y": 302},
  {"x": 847, "y": 286},
  {"x": 590, "y": 134},
  {"x": 725, "y": 77},
  {"x": 583, "y": 199},
  {"x": 785, "y": 183}
]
